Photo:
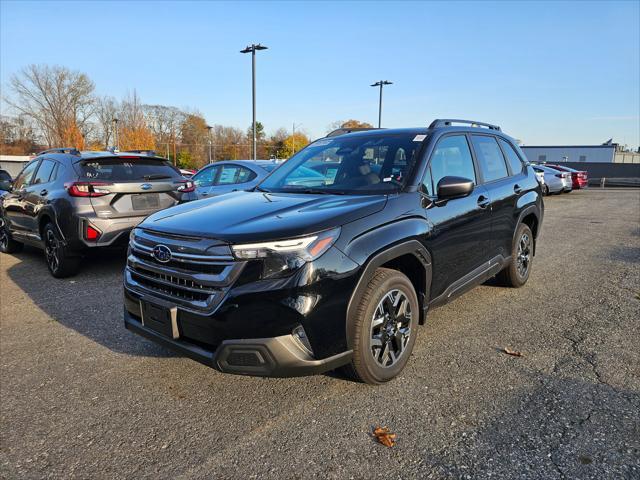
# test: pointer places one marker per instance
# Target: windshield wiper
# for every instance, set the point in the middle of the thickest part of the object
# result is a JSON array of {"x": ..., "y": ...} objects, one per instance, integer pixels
[
  {"x": 315, "y": 191},
  {"x": 260, "y": 189},
  {"x": 156, "y": 176}
]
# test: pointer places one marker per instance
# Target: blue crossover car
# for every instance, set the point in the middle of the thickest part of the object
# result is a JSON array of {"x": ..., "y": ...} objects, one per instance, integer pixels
[{"x": 229, "y": 176}]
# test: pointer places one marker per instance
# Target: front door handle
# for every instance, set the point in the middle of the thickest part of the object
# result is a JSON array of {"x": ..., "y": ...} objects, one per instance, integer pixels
[
  {"x": 483, "y": 202},
  {"x": 517, "y": 188},
  {"x": 44, "y": 192}
]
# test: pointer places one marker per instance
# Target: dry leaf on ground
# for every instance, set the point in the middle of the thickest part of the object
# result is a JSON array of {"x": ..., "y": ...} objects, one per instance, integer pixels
[
  {"x": 384, "y": 436},
  {"x": 513, "y": 353}
]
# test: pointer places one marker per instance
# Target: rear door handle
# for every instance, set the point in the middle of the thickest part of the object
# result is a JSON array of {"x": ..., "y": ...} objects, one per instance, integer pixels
[
  {"x": 44, "y": 192},
  {"x": 483, "y": 202},
  {"x": 517, "y": 188}
]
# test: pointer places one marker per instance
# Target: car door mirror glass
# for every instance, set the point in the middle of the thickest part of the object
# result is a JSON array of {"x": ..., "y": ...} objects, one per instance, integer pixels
[{"x": 454, "y": 187}]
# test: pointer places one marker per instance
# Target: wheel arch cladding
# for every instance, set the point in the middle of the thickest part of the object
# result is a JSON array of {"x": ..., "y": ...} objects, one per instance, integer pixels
[{"x": 410, "y": 258}]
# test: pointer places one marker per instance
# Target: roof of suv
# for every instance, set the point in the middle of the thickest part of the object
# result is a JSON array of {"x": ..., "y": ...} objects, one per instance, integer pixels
[{"x": 437, "y": 125}]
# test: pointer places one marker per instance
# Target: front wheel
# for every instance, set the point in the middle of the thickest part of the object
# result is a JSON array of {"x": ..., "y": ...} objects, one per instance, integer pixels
[
  {"x": 517, "y": 272},
  {"x": 59, "y": 262},
  {"x": 383, "y": 331},
  {"x": 7, "y": 243}
]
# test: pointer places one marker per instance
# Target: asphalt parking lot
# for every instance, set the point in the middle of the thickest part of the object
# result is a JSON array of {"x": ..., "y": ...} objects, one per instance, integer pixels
[{"x": 81, "y": 397}]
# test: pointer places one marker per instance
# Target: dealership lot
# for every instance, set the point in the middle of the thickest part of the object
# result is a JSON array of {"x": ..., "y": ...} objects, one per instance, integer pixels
[{"x": 82, "y": 397}]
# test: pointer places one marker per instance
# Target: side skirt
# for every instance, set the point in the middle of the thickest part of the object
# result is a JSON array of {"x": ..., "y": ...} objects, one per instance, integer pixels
[{"x": 477, "y": 276}]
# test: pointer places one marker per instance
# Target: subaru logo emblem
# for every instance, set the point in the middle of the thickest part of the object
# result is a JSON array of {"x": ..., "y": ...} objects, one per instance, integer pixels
[
  {"x": 161, "y": 253},
  {"x": 146, "y": 186}
]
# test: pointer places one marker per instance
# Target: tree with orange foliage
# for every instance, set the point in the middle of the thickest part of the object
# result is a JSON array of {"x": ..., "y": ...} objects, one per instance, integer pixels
[
  {"x": 136, "y": 137},
  {"x": 71, "y": 135},
  {"x": 134, "y": 132}
]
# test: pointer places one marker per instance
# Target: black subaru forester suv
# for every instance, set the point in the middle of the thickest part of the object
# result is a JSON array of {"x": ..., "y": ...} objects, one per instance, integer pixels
[{"x": 318, "y": 268}]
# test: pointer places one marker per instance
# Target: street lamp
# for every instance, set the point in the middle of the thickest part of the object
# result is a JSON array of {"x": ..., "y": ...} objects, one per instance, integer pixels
[
  {"x": 380, "y": 84},
  {"x": 252, "y": 48},
  {"x": 115, "y": 133},
  {"x": 209, "y": 127}
]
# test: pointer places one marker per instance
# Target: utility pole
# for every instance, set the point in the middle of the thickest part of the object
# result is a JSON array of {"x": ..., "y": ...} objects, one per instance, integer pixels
[
  {"x": 380, "y": 84},
  {"x": 252, "y": 48}
]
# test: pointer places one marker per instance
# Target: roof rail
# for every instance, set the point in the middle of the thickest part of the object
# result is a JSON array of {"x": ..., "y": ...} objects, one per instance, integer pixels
[
  {"x": 342, "y": 131},
  {"x": 446, "y": 122},
  {"x": 150, "y": 153},
  {"x": 69, "y": 150}
]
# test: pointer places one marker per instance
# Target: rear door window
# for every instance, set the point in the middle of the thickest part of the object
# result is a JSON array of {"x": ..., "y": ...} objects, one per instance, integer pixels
[
  {"x": 451, "y": 158},
  {"x": 512, "y": 157},
  {"x": 44, "y": 172},
  {"x": 490, "y": 159},
  {"x": 116, "y": 169},
  {"x": 229, "y": 175}
]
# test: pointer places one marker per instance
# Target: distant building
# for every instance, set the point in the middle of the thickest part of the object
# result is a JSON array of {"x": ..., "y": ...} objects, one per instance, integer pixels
[
  {"x": 606, "y": 153},
  {"x": 13, "y": 163}
]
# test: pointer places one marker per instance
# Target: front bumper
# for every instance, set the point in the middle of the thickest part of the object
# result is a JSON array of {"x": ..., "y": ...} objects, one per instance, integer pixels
[{"x": 274, "y": 357}]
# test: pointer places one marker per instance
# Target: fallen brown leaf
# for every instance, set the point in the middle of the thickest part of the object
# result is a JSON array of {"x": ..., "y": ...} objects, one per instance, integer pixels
[
  {"x": 514, "y": 353},
  {"x": 384, "y": 436}
]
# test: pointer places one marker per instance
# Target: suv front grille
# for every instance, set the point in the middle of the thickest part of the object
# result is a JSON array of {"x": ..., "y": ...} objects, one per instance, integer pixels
[
  {"x": 192, "y": 278},
  {"x": 169, "y": 289}
]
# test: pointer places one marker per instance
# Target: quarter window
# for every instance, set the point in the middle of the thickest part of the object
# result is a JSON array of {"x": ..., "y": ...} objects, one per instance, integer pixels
[
  {"x": 245, "y": 175},
  {"x": 512, "y": 157},
  {"x": 451, "y": 158},
  {"x": 490, "y": 159}
]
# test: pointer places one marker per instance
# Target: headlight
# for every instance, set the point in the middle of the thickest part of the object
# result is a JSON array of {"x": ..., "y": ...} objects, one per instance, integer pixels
[{"x": 282, "y": 257}]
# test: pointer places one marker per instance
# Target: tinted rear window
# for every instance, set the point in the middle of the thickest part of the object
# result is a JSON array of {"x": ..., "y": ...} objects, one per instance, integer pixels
[{"x": 123, "y": 169}]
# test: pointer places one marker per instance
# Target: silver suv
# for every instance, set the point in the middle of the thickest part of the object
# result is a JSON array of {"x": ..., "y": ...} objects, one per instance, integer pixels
[{"x": 67, "y": 202}]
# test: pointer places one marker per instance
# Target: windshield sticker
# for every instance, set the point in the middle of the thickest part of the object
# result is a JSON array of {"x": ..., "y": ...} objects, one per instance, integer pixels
[
  {"x": 322, "y": 143},
  {"x": 388, "y": 179},
  {"x": 419, "y": 138}
]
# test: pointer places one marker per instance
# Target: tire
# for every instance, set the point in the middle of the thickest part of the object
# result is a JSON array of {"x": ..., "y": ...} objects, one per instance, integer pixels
[
  {"x": 389, "y": 293},
  {"x": 8, "y": 244},
  {"x": 516, "y": 274},
  {"x": 59, "y": 262},
  {"x": 545, "y": 190}
]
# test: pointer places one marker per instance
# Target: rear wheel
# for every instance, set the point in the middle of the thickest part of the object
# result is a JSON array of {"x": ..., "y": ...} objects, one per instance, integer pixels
[
  {"x": 8, "y": 244},
  {"x": 384, "y": 328},
  {"x": 517, "y": 272},
  {"x": 59, "y": 262}
]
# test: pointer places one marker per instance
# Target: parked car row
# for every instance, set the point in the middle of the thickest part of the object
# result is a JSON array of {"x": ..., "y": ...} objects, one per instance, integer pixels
[
  {"x": 329, "y": 260},
  {"x": 556, "y": 179}
]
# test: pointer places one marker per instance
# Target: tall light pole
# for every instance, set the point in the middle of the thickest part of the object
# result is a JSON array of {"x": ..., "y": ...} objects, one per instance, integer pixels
[
  {"x": 380, "y": 84},
  {"x": 252, "y": 48},
  {"x": 209, "y": 127}
]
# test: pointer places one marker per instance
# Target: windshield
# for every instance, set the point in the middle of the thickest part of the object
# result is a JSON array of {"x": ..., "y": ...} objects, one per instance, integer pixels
[
  {"x": 121, "y": 169},
  {"x": 349, "y": 165}
]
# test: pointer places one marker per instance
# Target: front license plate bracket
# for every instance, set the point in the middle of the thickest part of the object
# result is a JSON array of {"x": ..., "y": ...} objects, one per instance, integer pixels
[{"x": 161, "y": 318}]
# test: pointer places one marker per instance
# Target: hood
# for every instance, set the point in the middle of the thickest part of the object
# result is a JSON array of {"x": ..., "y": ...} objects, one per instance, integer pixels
[{"x": 241, "y": 217}]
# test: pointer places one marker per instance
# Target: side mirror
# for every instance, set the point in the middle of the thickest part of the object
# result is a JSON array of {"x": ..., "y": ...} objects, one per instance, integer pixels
[
  {"x": 6, "y": 185},
  {"x": 454, "y": 187}
]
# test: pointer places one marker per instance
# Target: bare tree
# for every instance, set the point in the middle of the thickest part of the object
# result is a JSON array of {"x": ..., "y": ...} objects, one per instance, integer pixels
[
  {"x": 106, "y": 111},
  {"x": 55, "y": 98}
]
